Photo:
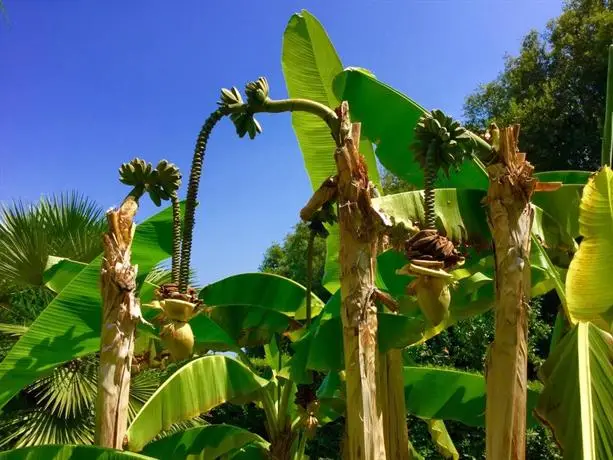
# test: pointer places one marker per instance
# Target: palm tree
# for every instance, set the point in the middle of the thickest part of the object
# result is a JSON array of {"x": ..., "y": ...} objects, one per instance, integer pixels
[{"x": 59, "y": 407}]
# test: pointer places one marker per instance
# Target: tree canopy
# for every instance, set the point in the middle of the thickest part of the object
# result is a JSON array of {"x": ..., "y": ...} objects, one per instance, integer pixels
[{"x": 555, "y": 89}]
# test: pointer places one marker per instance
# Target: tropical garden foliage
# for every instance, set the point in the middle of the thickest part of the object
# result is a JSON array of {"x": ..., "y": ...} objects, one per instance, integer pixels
[{"x": 389, "y": 323}]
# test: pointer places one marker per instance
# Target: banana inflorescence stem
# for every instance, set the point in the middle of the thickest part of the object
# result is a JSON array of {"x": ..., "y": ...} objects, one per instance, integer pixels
[
  {"x": 192, "y": 195},
  {"x": 176, "y": 238},
  {"x": 429, "y": 197}
]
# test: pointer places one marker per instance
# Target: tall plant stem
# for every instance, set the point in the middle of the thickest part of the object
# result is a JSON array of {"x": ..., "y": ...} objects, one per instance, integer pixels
[
  {"x": 429, "y": 198},
  {"x": 192, "y": 196},
  {"x": 358, "y": 252},
  {"x": 309, "y": 280},
  {"x": 268, "y": 106},
  {"x": 510, "y": 218},
  {"x": 607, "y": 135},
  {"x": 176, "y": 238},
  {"x": 120, "y": 315}
]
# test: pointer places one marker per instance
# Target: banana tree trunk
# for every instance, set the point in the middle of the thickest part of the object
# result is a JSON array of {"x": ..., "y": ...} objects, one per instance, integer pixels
[
  {"x": 510, "y": 218},
  {"x": 358, "y": 249},
  {"x": 120, "y": 315},
  {"x": 391, "y": 389}
]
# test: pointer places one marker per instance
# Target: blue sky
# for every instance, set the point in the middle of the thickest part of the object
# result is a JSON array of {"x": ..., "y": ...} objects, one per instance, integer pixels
[{"x": 85, "y": 86}]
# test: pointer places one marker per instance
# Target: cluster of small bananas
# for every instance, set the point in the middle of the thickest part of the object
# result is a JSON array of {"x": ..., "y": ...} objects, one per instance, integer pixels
[
  {"x": 429, "y": 245},
  {"x": 308, "y": 406},
  {"x": 244, "y": 121},
  {"x": 161, "y": 183},
  {"x": 442, "y": 139},
  {"x": 325, "y": 215}
]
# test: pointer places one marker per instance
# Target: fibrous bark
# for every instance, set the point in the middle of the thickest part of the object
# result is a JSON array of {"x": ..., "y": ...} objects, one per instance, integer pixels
[
  {"x": 120, "y": 315},
  {"x": 358, "y": 228},
  {"x": 510, "y": 219}
]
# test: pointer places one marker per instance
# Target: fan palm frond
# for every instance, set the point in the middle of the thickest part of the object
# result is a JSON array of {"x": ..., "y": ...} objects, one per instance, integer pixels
[
  {"x": 37, "y": 426},
  {"x": 70, "y": 390},
  {"x": 161, "y": 274},
  {"x": 67, "y": 225},
  {"x": 14, "y": 330},
  {"x": 142, "y": 387}
]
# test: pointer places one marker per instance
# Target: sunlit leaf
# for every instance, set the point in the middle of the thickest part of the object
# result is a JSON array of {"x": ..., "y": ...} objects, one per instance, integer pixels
[
  {"x": 577, "y": 399},
  {"x": 205, "y": 442},
  {"x": 589, "y": 293},
  {"x": 195, "y": 388},
  {"x": 69, "y": 453},
  {"x": 310, "y": 63}
]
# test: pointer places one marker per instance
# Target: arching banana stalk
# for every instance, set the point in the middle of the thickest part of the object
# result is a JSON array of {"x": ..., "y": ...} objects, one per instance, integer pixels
[{"x": 441, "y": 143}]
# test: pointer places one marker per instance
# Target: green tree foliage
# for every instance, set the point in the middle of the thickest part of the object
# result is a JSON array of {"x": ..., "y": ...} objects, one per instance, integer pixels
[
  {"x": 289, "y": 259},
  {"x": 555, "y": 88}
]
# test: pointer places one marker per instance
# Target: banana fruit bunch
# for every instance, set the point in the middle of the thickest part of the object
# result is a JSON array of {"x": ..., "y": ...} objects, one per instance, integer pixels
[
  {"x": 431, "y": 255},
  {"x": 441, "y": 138},
  {"x": 164, "y": 183},
  {"x": 308, "y": 408},
  {"x": 136, "y": 173},
  {"x": 160, "y": 183},
  {"x": 244, "y": 121},
  {"x": 257, "y": 91},
  {"x": 325, "y": 215}
]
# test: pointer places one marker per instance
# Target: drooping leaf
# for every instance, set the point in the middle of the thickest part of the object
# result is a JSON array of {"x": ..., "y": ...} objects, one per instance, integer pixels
[
  {"x": 194, "y": 389},
  {"x": 577, "y": 399},
  {"x": 70, "y": 325},
  {"x": 265, "y": 290},
  {"x": 449, "y": 394},
  {"x": 388, "y": 118},
  {"x": 55, "y": 452},
  {"x": 589, "y": 293},
  {"x": 252, "y": 307},
  {"x": 204, "y": 442},
  {"x": 442, "y": 440},
  {"x": 310, "y": 63}
]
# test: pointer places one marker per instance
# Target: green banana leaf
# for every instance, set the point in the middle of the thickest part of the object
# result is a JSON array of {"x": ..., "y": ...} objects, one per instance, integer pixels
[
  {"x": 441, "y": 439},
  {"x": 70, "y": 325},
  {"x": 60, "y": 271},
  {"x": 589, "y": 293},
  {"x": 195, "y": 388},
  {"x": 437, "y": 394},
  {"x": 388, "y": 118},
  {"x": 577, "y": 399},
  {"x": 449, "y": 394},
  {"x": 310, "y": 63},
  {"x": 264, "y": 290},
  {"x": 566, "y": 177},
  {"x": 57, "y": 452},
  {"x": 252, "y": 451},
  {"x": 252, "y": 307},
  {"x": 203, "y": 442}
]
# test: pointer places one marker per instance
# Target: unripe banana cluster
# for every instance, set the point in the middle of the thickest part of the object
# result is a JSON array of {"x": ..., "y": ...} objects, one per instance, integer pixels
[
  {"x": 160, "y": 182},
  {"x": 324, "y": 215},
  {"x": 443, "y": 140},
  {"x": 308, "y": 407},
  {"x": 257, "y": 91},
  {"x": 244, "y": 121}
]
